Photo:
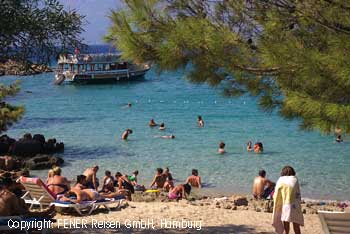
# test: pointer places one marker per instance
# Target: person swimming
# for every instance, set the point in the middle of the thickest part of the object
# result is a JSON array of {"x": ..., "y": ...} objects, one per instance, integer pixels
[
  {"x": 249, "y": 146},
  {"x": 152, "y": 123},
  {"x": 200, "y": 121},
  {"x": 162, "y": 126},
  {"x": 126, "y": 133},
  {"x": 166, "y": 137},
  {"x": 221, "y": 149},
  {"x": 258, "y": 147},
  {"x": 339, "y": 139}
]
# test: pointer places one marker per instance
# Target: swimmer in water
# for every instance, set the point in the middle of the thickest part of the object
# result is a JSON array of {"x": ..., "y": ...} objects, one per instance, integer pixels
[
  {"x": 339, "y": 139},
  {"x": 221, "y": 148},
  {"x": 126, "y": 134},
  {"x": 258, "y": 147},
  {"x": 168, "y": 137},
  {"x": 127, "y": 105},
  {"x": 200, "y": 121},
  {"x": 249, "y": 146},
  {"x": 162, "y": 126},
  {"x": 152, "y": 123}
]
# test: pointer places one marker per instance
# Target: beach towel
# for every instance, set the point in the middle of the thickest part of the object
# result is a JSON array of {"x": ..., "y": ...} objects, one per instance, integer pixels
[{"x": 287, "y": 203}]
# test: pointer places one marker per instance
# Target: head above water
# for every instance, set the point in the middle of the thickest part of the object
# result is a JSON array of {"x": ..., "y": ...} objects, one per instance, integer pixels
[
  {"x": 288, "y": 171},
  {"x": 195, "y": 172},
  {"x": 187, "y": 188},
  {"x": 262, "y": 173},
  {"x": 136, "y": 172},
  {"x": 162, "y": 125},
  {"x": 249, "y": 143},
  {"x": 172, "y": 136},
  {"x": 199, "y": 117},
  {"x": 222, "y": 145}
]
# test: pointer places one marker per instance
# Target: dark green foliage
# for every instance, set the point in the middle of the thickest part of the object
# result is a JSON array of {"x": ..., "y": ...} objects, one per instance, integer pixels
[
  {"x": 37, "y": 29},
  {"x": 8, "y": 113},
  {"x": 292, "y": 55}
]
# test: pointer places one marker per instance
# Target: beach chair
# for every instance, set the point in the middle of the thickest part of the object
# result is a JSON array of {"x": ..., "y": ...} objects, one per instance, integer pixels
[
  {"x": 36, "y": 193},
  {"x": 90, "y": 205},
  {"x": 335, "y": 222}
]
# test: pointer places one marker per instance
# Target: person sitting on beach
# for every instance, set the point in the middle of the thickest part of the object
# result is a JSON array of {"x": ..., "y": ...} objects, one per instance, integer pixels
[
  {"x": 126, "y": 133},
  {"x": 152, "y": 123},
  {"x": 339, "y": 139},
  {"x": 133, "y": 177},
  {"x": 200, "y": 121},
  {"x": 221, "y": 149},
  {"x": 179, "y": 192},
  {"x": 124, "y": 185},
  {"x": 12, "y": 205},
  {"x": 91, "y": 177},
  {"x": 258, "y": 147},
  {"x": 169, "y": 183},
  {"x": 194, "y": 180},
  {"x": 249, "y": 146},
  {"x": 58, "y": 184},
  {"x": 81, "y": 182},
  {"x": 159, "y": 179},
  {"x": 108, "y": 183},
  {"x": 162, "y": 126},
  {"x": 262, "y": 187},
  {"x": 81, "y": 195}
]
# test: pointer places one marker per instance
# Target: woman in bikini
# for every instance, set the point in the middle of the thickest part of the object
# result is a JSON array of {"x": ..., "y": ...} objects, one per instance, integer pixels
[{"x": 58, "y": 184}]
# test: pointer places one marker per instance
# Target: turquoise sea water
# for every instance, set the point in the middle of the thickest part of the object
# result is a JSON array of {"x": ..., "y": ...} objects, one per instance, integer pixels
[{"x": 91, "y": 119}]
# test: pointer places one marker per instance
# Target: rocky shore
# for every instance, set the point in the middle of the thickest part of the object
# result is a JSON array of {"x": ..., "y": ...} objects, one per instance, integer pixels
[
  {"x": 11, "y": 67},
  {"x": 28, "y": 153}
]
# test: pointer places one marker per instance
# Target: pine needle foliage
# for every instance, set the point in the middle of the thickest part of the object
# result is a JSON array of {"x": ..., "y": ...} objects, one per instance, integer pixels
[{"x": 291, "y": 54}]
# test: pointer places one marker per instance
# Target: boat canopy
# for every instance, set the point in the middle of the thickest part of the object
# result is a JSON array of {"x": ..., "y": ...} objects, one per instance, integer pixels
[{"x": 88, "y": 58}]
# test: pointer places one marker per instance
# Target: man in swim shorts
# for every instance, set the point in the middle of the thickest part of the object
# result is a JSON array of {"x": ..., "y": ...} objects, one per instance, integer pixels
[
  {"x": 91, "y": 178},
  {"x": 194, "y": 180},
  {"x": 262, "y": 187}
]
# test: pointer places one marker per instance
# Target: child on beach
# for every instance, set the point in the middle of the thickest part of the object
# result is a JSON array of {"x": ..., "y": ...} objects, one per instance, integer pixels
[
  {"x": 108, "y": 183},
  {"x": 169, "y": 183},
  {"x": 221, "y": 149},
  {"x": 179, "y": 192}
]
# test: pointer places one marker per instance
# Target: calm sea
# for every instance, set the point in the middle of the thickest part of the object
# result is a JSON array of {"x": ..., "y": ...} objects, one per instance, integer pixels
[{"x": 90, "y": 120}]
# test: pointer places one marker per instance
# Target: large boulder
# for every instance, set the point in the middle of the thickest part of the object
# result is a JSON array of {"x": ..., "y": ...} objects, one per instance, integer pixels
[
  {"x": 27, "y": 148},
  {"x": 43, "y": 162}
]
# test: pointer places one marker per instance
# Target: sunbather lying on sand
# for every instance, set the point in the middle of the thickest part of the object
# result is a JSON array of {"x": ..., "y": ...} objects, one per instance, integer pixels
[{"x": 86, "y": 195}]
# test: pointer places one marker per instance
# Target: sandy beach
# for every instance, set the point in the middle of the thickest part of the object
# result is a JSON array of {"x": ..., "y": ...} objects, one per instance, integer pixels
[{"x": 211, "y": 218}]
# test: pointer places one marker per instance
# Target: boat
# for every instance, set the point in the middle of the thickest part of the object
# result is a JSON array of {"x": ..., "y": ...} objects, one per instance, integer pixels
[{"x": 97, "y": 69}]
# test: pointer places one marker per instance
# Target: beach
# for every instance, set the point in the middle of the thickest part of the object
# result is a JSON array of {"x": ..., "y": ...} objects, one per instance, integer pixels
[{"x": 210, "y": 219}]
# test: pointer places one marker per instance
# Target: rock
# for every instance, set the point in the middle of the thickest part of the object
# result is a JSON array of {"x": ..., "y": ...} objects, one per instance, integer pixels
[
  {"x": 258, "y": 210},
  {"x": 240, "y": 201},
  {"x": 227, "y": 206},
  {"x": 27, "y": 148},
  {"x": 11, "y": 67},
  {"x": 43, "y": 162},
  {"x": 234, "y": 208}
]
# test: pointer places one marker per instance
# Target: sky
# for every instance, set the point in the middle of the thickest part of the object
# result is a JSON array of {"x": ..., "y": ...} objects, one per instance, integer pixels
[{"x": 96, "y": 14}]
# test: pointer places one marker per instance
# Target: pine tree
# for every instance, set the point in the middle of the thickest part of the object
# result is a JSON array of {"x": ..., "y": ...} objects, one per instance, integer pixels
[{"x": 291, "y": 54}]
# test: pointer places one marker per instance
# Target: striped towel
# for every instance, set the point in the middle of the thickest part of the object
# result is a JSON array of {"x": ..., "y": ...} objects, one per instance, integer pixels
[{"x": 287, "y": 203}]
